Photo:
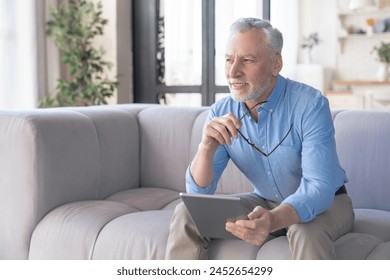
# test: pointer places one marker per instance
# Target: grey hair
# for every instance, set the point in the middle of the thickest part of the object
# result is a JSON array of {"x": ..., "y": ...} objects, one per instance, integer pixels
[{"x": 274, "y": 38}]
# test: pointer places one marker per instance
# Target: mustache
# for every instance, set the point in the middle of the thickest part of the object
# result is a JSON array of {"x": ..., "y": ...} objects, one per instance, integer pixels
[{"x": 237, "y": 82}]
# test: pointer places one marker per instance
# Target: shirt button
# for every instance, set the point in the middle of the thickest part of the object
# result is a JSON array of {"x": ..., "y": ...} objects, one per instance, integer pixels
[
  {"x": 277, "y": 196},
  {"x": 263, "y": 146},
  {"x": 269, "y": 172},
  {"x": 271, "y": 110}
]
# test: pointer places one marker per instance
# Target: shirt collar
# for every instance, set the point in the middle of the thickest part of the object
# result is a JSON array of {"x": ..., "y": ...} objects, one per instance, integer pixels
[{"x": 276, "y": 94}]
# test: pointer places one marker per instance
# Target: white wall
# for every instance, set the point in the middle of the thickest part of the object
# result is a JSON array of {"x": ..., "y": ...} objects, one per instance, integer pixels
[
  {"x": 321, "y": 16},
  {"x": 297, "y": 19},
  {"x": 18, "y": 80},
  {"x": 280, "y": 11}
]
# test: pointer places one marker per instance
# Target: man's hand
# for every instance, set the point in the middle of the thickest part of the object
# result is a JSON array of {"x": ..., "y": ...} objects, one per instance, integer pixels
[
  {"x": 220, "y": 130},
  {"x": 216, "y": 132},
  {"x": 255, "y": 230},
  {"x": 262, "y": 222}
]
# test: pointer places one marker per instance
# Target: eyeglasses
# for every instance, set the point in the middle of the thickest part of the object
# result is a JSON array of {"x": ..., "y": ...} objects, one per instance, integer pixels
[{"x": 252, "y": 144}]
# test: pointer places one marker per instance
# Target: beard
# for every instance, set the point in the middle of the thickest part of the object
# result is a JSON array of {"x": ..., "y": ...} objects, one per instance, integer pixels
[{"x": 253, "y": 93}]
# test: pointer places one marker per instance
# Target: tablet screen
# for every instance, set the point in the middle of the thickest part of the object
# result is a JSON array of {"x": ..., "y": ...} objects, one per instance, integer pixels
[{"x": 211, "y": 212}]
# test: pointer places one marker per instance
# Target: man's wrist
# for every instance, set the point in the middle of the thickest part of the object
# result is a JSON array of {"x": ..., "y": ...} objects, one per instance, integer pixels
[
  {"x": 283, "y": 216},
  {"x": 208, "y": 148}
]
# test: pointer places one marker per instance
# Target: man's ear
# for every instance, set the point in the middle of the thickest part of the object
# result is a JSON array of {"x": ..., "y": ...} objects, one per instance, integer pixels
[{"x": 277, "y": 65}]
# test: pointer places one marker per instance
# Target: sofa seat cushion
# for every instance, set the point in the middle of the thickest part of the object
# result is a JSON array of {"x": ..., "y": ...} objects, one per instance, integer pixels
[
  {"x": 70, "y": 231},
  {"x": 355, "y": 246},
  {"x": 351, "y": 246},
  {"x": 145, "y": 199},
  {"x": 374, "y": 222},
  {"x": 275, "y": 249},
  {"x": 232, "y": 249},
  {"x": 172, "y": 205},
  {"x": 381, "y": 252},
  {"x": 135, "y": 236}
]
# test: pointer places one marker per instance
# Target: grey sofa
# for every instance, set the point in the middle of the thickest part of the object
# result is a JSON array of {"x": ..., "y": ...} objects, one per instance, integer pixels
[{"x": 102, "y": 182}]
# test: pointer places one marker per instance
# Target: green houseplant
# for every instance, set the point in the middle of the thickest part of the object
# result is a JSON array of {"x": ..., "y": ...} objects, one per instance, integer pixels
[
  {"x": 383, "y": 55},
  {"x": 383, "y": 52},
  {"x": 74, "y": 27}
]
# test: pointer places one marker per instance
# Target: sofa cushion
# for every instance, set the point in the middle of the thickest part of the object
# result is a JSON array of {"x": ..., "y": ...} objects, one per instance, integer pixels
[
  {"x": 275, "y": 249},
  {"x": 349, "y": 246},
  {"x": 355, "y": 246},
  {"x": 381, "y": 252},
  {"x": 70, "y": 231},
  {"x": 146, "y": 198},
  {"x": 172, "y": 205},
  {"x": 363, "y": 147},
  {"x": 165, "y": 145},
  {"x": 18, "y": 185},
  {"x": 136, "y": 236},
  {"x": 118, "y": 147},
  {"x": 374, "y": 222},
  {"x": 232, "y": 249},
  {"x": 197, "y": 131}
]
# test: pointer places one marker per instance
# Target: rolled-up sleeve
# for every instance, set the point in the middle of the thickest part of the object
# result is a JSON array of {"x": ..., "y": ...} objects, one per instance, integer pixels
[{"x": 321, "y": 172}]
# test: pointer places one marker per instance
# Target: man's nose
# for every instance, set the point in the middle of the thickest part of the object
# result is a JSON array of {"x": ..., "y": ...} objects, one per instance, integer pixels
[{"x": 235, "y": 69}]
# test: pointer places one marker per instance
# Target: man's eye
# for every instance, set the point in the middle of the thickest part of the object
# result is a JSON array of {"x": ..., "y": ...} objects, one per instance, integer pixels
[
  {"x": 229, "y": 60},
  {"x": 247, "y": 60}
]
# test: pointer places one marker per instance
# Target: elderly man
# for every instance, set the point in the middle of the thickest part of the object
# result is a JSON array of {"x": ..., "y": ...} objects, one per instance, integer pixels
[{"x": 280, "y": 134}]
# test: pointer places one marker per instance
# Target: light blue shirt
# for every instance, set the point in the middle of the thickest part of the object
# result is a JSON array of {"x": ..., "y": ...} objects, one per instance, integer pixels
[{"x": 304, "y": 171}]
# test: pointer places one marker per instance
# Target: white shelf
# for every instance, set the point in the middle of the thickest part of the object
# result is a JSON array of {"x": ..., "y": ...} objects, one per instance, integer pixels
[
  {"x": 385, "y": 35},
  {"x": 366, "y": 12},
  {"x": 353, "y": 21}
]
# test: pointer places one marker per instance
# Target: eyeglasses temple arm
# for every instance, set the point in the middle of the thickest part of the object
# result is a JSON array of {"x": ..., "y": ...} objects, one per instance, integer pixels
[{"x": 285, "y": 136}]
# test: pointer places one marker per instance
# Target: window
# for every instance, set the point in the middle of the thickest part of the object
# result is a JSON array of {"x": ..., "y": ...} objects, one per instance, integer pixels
[
  {"x": 179, "y": 48},
  {"x": 17, "y": 54}
]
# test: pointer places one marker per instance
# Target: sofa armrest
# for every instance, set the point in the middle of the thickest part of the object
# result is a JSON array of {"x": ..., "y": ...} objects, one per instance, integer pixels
[{"x": 50, "y": 157}]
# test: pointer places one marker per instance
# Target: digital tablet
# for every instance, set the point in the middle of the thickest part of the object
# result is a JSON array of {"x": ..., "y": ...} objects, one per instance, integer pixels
[{"x": 211, "y": 212}]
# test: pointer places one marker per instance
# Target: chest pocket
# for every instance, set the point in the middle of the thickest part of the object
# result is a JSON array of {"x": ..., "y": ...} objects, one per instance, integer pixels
[
  {"x": 284, "y": 137},
  {"x": 288, "y": 154}
]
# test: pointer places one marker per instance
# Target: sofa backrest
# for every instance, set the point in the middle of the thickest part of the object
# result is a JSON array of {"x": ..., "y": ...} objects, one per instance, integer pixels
[
  {"x": 169, "y": 139},
  {"x": 165, "y": 137},
  {"x": 363, "y": 139}
]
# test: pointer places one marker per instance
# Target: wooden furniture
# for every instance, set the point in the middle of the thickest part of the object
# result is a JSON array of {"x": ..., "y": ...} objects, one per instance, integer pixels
[{"x": 367, "y": 94}]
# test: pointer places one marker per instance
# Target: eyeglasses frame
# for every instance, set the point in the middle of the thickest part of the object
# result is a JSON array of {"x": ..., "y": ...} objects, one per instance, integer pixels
[{"x": 252, "y": 144}]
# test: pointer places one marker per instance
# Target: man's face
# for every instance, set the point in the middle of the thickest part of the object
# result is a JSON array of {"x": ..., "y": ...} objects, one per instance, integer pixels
[{"x": 250, "y": 66}]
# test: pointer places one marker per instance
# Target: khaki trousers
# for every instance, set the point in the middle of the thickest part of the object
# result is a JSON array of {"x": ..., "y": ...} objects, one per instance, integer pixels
[{"x": 308, "y": 241}]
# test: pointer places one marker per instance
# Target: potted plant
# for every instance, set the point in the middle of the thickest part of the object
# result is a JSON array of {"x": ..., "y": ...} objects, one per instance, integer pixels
[
  {"x": 74, "y": 27},
  {"x": 308, "y": 44},
  {"x": 383, "y": 55}
]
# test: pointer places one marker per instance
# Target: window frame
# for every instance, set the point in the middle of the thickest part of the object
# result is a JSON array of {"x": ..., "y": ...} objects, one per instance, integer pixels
[{"x": 147, "y": 88}]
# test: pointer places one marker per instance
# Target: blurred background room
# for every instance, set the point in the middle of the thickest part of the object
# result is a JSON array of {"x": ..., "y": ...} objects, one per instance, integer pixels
[{"x": 172, "y": 51}]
